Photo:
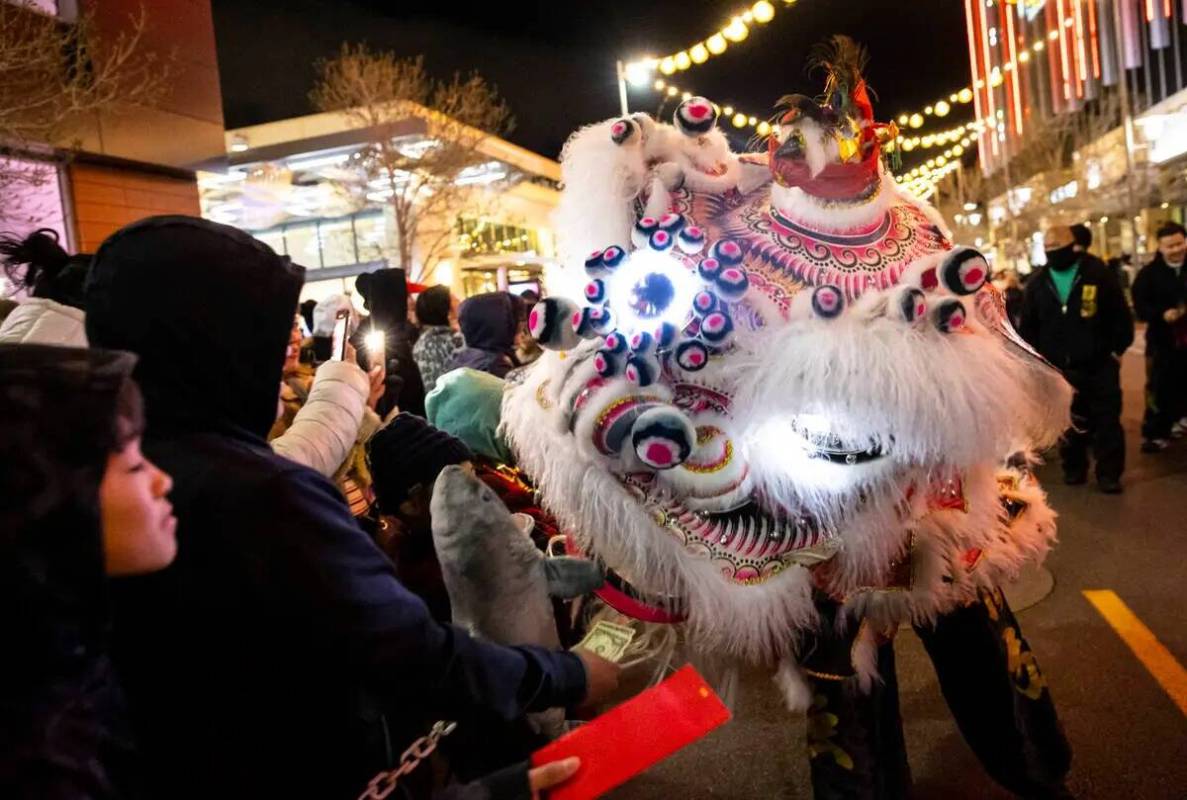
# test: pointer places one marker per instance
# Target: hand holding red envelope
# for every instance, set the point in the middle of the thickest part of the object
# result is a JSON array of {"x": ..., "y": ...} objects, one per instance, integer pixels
[{"x": 635, "y": 735}]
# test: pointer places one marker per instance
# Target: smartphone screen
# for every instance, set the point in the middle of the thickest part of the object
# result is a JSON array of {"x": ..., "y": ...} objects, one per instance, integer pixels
[{"x": 341, "y": 336}]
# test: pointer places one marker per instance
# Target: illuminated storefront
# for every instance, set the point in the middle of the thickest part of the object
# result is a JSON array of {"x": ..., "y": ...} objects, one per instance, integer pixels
[{"x": 284, "y": 185}]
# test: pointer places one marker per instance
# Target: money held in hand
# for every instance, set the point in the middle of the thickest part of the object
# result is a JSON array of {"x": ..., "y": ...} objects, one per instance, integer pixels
[{"x": 608, "y": 640}]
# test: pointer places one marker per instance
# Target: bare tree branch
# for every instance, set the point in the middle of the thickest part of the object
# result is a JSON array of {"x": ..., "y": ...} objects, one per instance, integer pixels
[
  {"x": 421, "y": 180},
  {"x": 53, "y": 73}
]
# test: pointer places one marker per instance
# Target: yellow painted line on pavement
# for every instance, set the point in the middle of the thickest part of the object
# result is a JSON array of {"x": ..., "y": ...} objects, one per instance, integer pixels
[{"x": 1154, "y": 656}]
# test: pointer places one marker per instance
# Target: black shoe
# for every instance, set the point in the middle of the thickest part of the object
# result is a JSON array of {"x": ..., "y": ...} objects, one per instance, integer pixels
[
  {"x": 1155, "y": 445},
  {"x": 1075, "y": 478},
  {"x": 1109, "y": 486}
]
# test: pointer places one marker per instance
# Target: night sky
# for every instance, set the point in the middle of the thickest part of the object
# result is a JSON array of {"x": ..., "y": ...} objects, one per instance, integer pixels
[{"x": 554, "y": 62}]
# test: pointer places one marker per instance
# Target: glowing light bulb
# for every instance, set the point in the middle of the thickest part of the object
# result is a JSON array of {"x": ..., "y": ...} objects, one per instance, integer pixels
[
  {"x": 637, "y": 73},
  {"x": 667, "y": 65},
  {"x": 942, "y": 108},
  {"x": 764, "y": 128},
  {"x": 736, "y": 31},
  {"x": 739, "y": 120},
  {"x": 727, "y": 111},
  {"x": 965, "y": 95},
  {"x": 699, "y": 54},
  {"x": 716, "y": 44},
  {"x": 683, "y": 60},
  {"x": 916, "y": 120},
  {"x": 763, "y": 11}
]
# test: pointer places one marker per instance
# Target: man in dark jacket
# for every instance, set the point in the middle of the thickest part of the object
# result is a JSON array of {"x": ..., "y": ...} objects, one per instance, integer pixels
[
  {"x": 385, "y": 295},
  {"x": 1160, "y": 300},
  {"x": 488, "y": 323},
  {"x": 1074, "y": 313},
  {"x": 278, "y": 656}
]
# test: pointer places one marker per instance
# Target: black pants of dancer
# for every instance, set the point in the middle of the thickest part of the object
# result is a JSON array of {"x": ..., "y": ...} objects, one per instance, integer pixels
[
  {"x": 1096, "y": 422},
  {"x": 1166, "y": 392},
  {"x": 994, "y": 688}
]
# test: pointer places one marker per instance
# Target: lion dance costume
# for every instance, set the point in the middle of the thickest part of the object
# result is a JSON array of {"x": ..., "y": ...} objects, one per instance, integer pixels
[{"x": 789, "y": 415}]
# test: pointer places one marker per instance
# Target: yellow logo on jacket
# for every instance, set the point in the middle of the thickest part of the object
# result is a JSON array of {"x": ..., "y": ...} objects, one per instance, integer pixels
[{"x": 1088, "y": 300}]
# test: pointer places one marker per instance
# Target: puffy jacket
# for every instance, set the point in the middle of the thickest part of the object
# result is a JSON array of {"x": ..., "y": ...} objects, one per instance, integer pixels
[
  {"x": 278, "y": 656},
  {"x": 328, "y": 424},
  {"x": 1094, "y": 326},
  {"x": 1156, "y": 289},
  {"x": 40, "y": 320},
  {"x": 63, "y": 726}
]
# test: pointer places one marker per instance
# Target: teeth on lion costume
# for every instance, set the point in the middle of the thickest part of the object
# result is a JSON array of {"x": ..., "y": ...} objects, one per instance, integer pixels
[{"x": 775, "y": 374}]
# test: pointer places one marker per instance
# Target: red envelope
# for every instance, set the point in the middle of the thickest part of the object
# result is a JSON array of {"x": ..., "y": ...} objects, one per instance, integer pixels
[{"x": 631, "y": 737}]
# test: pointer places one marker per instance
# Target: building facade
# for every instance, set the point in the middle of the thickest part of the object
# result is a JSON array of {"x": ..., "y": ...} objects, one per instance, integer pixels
[
  {"x": 284, "y": 180},
  {"x": 116, "y": 166},
  {"x": 1083, "y": 105}
]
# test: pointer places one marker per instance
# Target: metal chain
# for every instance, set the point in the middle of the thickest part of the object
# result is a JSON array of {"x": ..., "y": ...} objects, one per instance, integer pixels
[{"x": 384, "y": 783}]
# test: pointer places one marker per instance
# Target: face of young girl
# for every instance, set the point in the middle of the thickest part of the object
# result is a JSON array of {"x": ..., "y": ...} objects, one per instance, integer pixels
[{"x": 139, "y": 529}]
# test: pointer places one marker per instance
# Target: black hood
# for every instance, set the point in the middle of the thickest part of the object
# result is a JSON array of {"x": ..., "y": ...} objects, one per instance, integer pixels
[
  {"x": 385, "y": 295},
  {"x": 208, "y": 310},
  {"x": 489, "y": 321},
  {"x": 57, "y": 427}
]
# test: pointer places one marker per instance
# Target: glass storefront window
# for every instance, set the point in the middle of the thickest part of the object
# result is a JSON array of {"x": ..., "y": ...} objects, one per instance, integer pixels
[
  {"x": 337, "y": 243},
  {"x": 370, "y": 235},
  {"x": 302, "y": 244},
  {"x": 479, "y": 281},
  {"x": 274, "y": 239},
  {"x": 483, "y": 237}
]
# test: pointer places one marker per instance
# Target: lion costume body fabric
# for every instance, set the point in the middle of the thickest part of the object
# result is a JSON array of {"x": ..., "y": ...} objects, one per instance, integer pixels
[{"x": 779, "y": 401}]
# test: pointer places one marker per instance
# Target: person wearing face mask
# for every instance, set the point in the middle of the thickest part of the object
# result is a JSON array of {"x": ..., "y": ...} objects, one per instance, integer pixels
[
  {"x": 1074, "y": 313},
  {"x": 1160, "y": 300},
  {"x": 82, "y": 506}
]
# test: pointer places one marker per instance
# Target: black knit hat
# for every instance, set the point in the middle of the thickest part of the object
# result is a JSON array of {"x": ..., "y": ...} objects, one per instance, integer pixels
[{"x": 409, "y": 451}]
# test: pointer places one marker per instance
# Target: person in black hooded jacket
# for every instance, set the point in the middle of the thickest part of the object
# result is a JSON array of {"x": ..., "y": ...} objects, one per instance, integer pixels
[
  {"x": 1074, "y": 313},
  {"x": 385, "y": 296},
  {"x": 489, "y": 323},
  {"x": 80, "y": 503},
  {"x": 278, "y": 656}
]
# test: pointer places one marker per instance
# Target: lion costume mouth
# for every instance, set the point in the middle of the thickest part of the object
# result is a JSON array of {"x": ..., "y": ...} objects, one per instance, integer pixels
[
  {"x": 824, "y": 444},
  {"x": 749, "y": 544}
]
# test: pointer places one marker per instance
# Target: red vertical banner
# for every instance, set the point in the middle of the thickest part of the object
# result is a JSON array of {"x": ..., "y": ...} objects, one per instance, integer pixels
[
  {"x": 1054, "y": 62},
  {"x": 1013, "y": 85},
  {"x": 1094, "y": 39},
  {"x": 1079, "y": 54},
  {"x": 979, "y": 81},
  {"x": 1066, "y": 67}
]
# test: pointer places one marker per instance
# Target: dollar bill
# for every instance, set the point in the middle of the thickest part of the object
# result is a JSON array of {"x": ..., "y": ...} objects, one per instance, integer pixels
[{"x": 608, "y": 640}]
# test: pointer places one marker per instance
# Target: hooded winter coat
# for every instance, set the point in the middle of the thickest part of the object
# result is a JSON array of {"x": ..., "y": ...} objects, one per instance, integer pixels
[
  {"x": 266, "y": 660},
  {"x": 488, "y": 323},
  {"x": 63, "y": 731},
  {"x": 385, "y": 296}
]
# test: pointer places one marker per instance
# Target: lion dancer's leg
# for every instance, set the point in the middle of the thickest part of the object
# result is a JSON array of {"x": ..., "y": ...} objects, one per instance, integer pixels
[
  {"x": 997, "y": 694},
  {"x": 856, "y": 748}
]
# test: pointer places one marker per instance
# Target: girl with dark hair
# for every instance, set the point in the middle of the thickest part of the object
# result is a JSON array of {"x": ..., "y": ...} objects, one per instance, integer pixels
[
  {"x": 54, "y": 280},
  {"x": 81, "y": 505}
]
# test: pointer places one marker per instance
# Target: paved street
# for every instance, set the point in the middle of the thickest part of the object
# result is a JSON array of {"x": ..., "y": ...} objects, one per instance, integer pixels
[{"x": 1129, "y": 739}]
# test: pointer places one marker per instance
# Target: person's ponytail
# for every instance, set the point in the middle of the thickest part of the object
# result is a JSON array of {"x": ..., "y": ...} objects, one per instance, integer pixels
[{"x": 40, "y": 265}]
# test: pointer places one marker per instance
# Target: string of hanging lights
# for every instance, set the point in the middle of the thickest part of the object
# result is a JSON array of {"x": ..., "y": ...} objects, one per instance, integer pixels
[{"x": 737, "y": 30}]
